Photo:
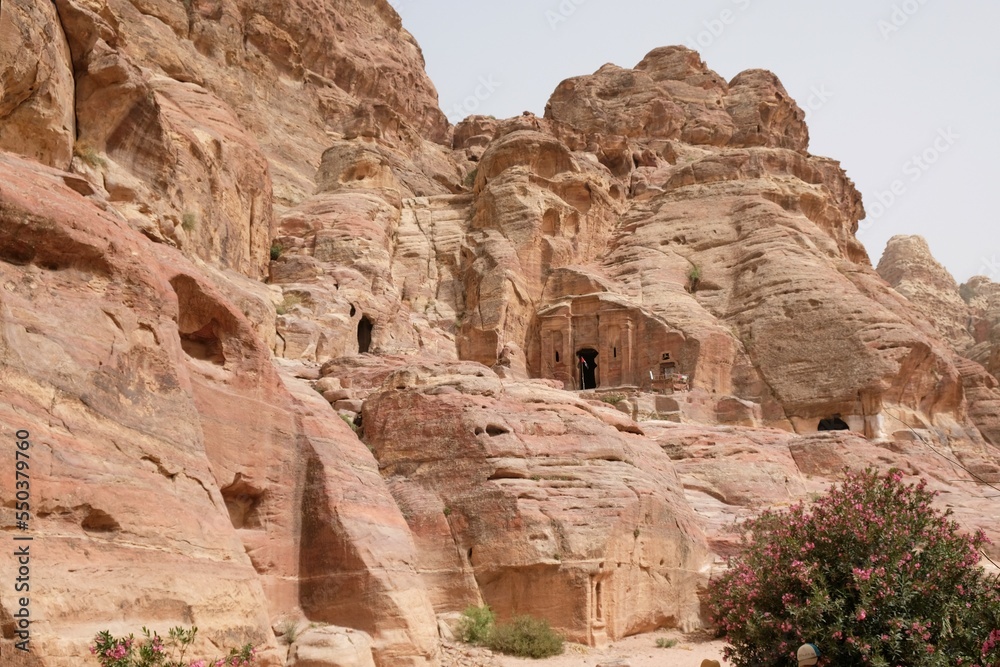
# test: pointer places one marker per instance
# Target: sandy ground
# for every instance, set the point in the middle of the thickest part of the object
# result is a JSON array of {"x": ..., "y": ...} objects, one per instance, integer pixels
[{"x": 637, "y": 651}]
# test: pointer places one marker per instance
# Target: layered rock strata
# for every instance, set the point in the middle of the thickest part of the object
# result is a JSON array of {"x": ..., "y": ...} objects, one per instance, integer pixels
[{"x": 322, "y": 368}]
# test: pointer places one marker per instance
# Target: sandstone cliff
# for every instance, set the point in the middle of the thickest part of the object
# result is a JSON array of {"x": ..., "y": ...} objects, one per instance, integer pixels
[{"x": 299, "y": 358}]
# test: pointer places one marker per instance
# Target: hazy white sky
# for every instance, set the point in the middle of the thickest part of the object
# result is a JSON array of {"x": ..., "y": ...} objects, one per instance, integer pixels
[{"x": 902, "y": 92}]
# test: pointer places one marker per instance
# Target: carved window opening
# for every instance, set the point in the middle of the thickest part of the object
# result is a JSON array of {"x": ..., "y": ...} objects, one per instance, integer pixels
[{"x": 834, "y": 423}]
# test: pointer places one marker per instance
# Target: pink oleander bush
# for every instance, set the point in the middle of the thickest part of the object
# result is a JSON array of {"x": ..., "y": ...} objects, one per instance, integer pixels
[
  {"x": 870, "y": 573},
  {"x": 154, "y": 651}
]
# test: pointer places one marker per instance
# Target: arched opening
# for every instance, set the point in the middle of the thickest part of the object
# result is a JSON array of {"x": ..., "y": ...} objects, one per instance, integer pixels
[
  {"x": 586, "y": 361},
  {"x": 834, "y": 423},
  {"x": 365, "y": 327}
]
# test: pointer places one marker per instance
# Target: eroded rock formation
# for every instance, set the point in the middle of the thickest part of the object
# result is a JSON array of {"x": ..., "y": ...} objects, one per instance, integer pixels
[{"x": 305, "y": 366}]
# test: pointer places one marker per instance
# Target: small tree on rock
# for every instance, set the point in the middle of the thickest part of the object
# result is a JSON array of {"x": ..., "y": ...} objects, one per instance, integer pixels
[{"x": 871, "y": 573}]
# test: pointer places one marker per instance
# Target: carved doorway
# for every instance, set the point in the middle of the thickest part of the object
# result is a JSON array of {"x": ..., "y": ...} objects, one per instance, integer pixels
[
  {"x": 365, "y": 328},
  {"x": 586, "y": 362}
]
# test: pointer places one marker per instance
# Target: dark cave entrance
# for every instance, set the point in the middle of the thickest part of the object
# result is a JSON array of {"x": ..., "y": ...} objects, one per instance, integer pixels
[
  {"x": 586, "y": 361},
  {"x": 365, "y": 328},
  {"x": 834, "y": 423}
]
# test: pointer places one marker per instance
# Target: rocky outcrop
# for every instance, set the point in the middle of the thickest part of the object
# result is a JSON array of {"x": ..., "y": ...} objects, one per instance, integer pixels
[
  {"x": 331, "y": 647},
  {"x": 141, "y": 385},
  {"x": 672, "y": 95},
  {"x": 538, "y": 208},
  {"x": 324, "y": 369},
  {"x": 536, "y": 501},
  {"x": 983, "y": 297},
  {"x": 907, "y": 265},
  {"x": 36, "y": 84}
]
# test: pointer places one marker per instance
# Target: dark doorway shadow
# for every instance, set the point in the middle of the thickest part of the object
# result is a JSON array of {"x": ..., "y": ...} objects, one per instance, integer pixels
[
  {"x": 586, "y": 361},
  {"x": 834, "y": 423},
  {"x": 365, "y": 328}
]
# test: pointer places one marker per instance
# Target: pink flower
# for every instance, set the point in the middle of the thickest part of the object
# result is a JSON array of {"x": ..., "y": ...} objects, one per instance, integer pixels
[
  {"x": 861, "y": 615},
  {"x": 198, "y": 663}
]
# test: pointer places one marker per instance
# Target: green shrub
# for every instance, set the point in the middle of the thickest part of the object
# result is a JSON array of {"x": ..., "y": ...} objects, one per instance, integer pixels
[
  {"x": 664, "y": 642},
  {"x": 477, "y": 624},
  {"x": 84, "y": 150},
  {"x": 694, "y": 277},
  {"x": 613, "y": 399},
  {"x": 525, "y": 637},
  {"x": 276, "y": 250},
  {"x": 470, "y": 178},
  {"x": 287, "y": 303},
  {"x": 870, "y": 573},
  {"x": 350, "y": 422},
  {"x": 289, "y": 632},
  {"x": 189, "y": 221}
]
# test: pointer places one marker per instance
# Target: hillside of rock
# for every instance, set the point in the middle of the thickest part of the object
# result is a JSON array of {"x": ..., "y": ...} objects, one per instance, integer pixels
[{"x": 308, "y": 367}]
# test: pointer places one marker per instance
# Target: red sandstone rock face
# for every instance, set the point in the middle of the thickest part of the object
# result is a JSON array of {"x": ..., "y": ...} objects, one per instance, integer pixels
[
  {"x": 142, "y": 387},
  {"x": 36, "y": 84},
  {"x": 983, "y": 297},
  {"x": 907, "y": 265},
  {"x": 728, "y": 474},
  {"x": 168, "y": 98},
  {"x": 672, "y": 95},
  {"x": 965, "y": 317},
  {"x": 537, "y": 502},
  {"x": 664, "y": 226}
]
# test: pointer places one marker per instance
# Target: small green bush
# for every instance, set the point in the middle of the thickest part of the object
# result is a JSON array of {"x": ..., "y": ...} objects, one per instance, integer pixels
[
  {"x": 470, "y": 178},
  {"x": 664, "y": 642},
  {"x": 289, "y": 631},
  {"x": 276, "y": 250},
  {"x": 477, "y": 624},
  {"x": 289, "y": 302},
  {"x": 350, "y": 422},
  {"x": 694, "y": 277},
  {"x": 525, "y": 637},
  {"x": 613, "y": 399},
  {"x": 189, "y": 221},
  {"x": 85, "y": 151},
  {"x": 870, "y": 573}
]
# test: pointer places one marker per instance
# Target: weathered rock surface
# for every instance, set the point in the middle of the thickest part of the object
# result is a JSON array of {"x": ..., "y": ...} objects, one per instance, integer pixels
[
  {"x": 537, "y": 501},
  {"x": 576, "y": 348},
  {"x": 141, "y": 386},
  {"x": 672, "y": 95},
  {"x": 907, "y": 265},
  {"x": 331, "y": 647},
  {"x": 983, "y": 297},
  {"x": 36, "y": 84}
]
